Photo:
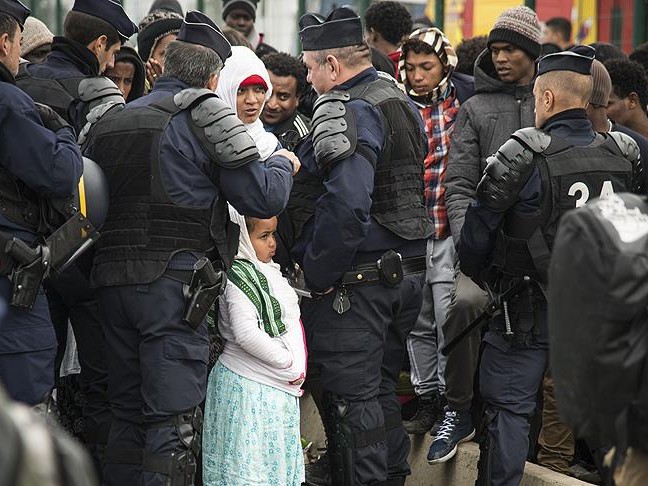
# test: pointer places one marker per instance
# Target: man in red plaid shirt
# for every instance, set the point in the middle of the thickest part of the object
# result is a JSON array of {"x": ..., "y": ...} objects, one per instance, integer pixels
[{"x": 426, "y": 72}]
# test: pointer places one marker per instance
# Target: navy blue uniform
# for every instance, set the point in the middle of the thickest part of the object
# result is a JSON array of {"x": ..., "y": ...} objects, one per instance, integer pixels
[
  {"x": 50, "y": 164},
  {"x": 358, "y": 353},
  {"x": 158, "y": 364},
  {"x": 511, "y": 374}
]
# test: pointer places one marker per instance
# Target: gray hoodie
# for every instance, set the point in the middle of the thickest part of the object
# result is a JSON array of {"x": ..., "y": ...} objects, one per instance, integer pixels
[{"x": 483, "y": 124}]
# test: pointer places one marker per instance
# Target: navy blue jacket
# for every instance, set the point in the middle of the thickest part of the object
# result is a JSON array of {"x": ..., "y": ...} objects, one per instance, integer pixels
[
  {"x": 481, "y": 224},
  {"x": 47, "y": 162},
  {"x": 68, "y": 59},
  {"x": 258, "y": 189},
  {"x": 342, "y": 231}
]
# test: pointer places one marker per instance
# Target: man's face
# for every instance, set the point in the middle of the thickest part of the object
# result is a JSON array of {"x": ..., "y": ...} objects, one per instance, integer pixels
[
  {"x": 239, "y": 19},
  {"x": 106, "y": 57},
  {"x": 424, "y": 71},
  {"x": 618, "y": 110},
  {"x": 160, "y": 48},
  {"x": 284, "y": 100},
  {"x": 11, "y": 48},
  {"x": 122, "y": 75},
  {"x": 318, "y": 74},
  {"x": 549, "y": 36},
  {"x": 512, "y": 64}
]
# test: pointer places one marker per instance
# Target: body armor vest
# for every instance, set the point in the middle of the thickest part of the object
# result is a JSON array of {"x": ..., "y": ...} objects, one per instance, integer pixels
[
  {"x": 398, "y": 197},
  {"x": 570, "y": 176},
  {"x": 144, "y": 227}
]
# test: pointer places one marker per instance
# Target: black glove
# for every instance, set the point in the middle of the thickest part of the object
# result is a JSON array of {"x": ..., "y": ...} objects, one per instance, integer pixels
[{"x": 50, "y": 118}]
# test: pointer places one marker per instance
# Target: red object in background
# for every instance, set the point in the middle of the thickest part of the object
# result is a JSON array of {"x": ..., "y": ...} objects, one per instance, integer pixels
[
  {"x": 619, "y": 11},
  {"x": 554, "y": 8}
]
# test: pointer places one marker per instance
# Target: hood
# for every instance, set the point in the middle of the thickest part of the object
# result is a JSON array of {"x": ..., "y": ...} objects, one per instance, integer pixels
[
  {"x": 129, "y": 54},
  {"x": 486, "y": 80}
]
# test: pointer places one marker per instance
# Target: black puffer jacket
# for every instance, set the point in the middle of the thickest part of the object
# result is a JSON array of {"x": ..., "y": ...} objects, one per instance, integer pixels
[{"x": 484, "y": 123}]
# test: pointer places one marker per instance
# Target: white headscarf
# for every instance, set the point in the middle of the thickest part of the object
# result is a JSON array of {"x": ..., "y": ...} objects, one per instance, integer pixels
[{"x": 242, "y": 64}]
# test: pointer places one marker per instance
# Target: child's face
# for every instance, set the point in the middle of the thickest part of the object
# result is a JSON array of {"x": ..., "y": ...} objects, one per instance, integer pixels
[{"x": 263, "y": 238}]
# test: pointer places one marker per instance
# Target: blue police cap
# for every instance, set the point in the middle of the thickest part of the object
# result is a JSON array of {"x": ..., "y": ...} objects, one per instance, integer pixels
[
  {"x": 341, "y": 28},
  {"x": 16, "y": 10},
  {"x": 199, "y": 29},
  {"x": 109, "y": 10},
  {"x": 578, "y": 60}
]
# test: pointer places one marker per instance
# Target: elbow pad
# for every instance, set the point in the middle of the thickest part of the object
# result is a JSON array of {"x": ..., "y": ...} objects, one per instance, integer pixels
[
  {"x": 334, "y": 130},
  {"x": 630, "y": 150}
]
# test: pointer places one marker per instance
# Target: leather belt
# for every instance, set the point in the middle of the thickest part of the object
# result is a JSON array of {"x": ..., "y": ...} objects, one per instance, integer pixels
[
  {"x": 368, "y": 273},
  {"x": 182, "y": 276}
]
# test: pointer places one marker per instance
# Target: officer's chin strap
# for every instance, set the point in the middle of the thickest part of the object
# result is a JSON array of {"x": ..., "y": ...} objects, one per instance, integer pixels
[{"x": 181, "y": 466}]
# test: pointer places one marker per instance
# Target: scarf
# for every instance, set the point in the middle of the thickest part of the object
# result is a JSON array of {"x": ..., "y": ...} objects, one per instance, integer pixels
[
  {"x": 446, "y": 53},
  {"x": 242, "y": 64},
  {"x": 249, "y": 275}
]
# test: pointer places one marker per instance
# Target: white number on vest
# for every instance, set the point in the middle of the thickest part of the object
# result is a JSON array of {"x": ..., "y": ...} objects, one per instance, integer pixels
[{"x": 583, "y": 192}]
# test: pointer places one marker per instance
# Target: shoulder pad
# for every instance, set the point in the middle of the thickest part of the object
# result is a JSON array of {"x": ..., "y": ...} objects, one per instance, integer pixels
[
  {"x": 333, "y": 129},
  {"x": 387, "y": 77},
  {"x": 94, "y": 116},
  {"x": 505, "y": 174},
  {"x": 187, "y": 97},
  {"x": 222, "y": 134},
  {"x": 626, "y": 144},
  {"x": 534, "y": 138},
  {"x": 99, "y": 90}
]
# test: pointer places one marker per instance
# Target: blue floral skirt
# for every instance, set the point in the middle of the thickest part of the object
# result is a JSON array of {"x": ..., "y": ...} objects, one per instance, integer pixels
[{"x": 250, "y": 433}]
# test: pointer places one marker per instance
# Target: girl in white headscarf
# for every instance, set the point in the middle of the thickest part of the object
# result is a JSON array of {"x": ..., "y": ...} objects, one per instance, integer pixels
[
  {"x": 251, "y": 427},
  {"x": 244, "y": 84}
]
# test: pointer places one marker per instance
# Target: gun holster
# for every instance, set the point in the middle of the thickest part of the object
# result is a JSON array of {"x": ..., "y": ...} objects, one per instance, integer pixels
[
  {"x": 390, "y": 265},
  {"x": 204, "y": 288}
]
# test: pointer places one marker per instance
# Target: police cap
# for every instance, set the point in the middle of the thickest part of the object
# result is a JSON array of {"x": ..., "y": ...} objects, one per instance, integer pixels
[
  {"x": 16, "y": 10},
  {"x": 109, "y": 10},
  {"x": 341, "y": 28},
  {"x": 199, "y": 29},
  {"x": 578, "y": 60}
]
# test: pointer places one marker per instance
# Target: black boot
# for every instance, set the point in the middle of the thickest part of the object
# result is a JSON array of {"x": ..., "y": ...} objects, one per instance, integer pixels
[
  {"x": 430, "y": 408},
  {"x": 318, "y": 473}
]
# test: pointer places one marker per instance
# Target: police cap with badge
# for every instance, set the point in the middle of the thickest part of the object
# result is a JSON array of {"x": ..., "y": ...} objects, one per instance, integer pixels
[
  {"x": 16, "y": 10},
  {"x": 111, "y": 11},
  {"x": 342, "y": 28}
]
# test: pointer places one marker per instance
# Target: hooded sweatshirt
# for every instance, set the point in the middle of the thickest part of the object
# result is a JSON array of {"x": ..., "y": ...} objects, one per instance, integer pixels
[{"x": 484, "y": 123}]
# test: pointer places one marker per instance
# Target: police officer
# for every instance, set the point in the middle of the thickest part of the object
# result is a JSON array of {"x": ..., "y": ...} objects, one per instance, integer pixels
[
  {"x": 69, "y": 82},
  {"x": 173, "y": 158},
  {"x": 537, "y": 175},
  {"x": 39, "y": 159},
  {"x": 363, "y": 250}
]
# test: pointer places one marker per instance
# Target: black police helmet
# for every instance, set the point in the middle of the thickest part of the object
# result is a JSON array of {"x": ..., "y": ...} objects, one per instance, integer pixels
[{"x": 92, "y": 195}]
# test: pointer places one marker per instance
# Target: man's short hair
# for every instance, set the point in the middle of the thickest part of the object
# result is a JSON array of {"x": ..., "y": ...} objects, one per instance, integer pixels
[
  {"x": 628, "y": 77},
  {"x": 389, "y": 19},
  {"x": 192, "y": 64},
  {"x": 606, "y": 51},
  {"x": 468, "y": 51},
  {"x": 282, "y": 64},
  {"x": 349, "y": 56},
  {"x": 560, "y": 25},
  {"x": 84, "y": 28},
  {"x": 567, "y": 85},
  {"x": 8, "y": 24},
  {"x": 640, "y": 55}
]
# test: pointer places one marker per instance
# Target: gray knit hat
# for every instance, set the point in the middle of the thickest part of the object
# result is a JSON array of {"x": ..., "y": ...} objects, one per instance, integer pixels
[
  {"x": 601, "y": 84},
  {"x": 36, "y": 34},
  {"x": 518, "y": 26}
]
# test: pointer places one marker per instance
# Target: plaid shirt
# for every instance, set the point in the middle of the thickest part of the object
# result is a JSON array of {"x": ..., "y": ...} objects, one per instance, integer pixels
[{"x": 439, "y": 122}]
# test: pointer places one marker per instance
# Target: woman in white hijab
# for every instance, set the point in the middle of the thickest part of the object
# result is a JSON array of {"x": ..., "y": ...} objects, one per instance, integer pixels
[{"x": 244, "y": 84}]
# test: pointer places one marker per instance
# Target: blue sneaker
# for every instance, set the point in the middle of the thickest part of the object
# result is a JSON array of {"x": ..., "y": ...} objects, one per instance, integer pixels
[{"x": 455, "y": 429}]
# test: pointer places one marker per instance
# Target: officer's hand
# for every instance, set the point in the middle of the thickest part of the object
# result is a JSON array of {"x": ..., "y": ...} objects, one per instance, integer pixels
[
  {"x": 50, "y": 118},
  {"x": 292, "y": 157}
]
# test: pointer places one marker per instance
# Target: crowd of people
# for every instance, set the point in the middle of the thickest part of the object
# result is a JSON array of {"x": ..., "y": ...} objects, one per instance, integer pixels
[{"x": 196, "y": 228}]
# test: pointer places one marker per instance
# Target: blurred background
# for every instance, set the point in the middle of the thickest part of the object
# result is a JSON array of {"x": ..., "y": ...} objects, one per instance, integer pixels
[{"x": 620, "y": 22}]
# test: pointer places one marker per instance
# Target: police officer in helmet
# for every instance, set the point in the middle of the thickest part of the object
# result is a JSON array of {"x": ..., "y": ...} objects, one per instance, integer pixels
[
  {"x": 363, "y": 250},
  {"x": 534, "y": 178},
  {"x": 39, "y": 161},
  {"x": 173, "y": 159}
]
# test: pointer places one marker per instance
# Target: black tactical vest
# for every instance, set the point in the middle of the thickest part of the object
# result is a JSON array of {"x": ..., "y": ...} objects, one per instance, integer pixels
[
  {"x": 398, "y": 197},
  {"x": 570, "y": 176},
  {"x": 144, "y": 227}
]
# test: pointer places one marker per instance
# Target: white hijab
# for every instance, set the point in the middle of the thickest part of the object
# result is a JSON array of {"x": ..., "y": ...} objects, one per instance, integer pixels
[{"x": 242, "y": 64}]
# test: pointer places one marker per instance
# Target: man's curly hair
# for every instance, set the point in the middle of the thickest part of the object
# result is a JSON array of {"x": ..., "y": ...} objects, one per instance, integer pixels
[
  {"x": 628, "y": 77},
  {"x": 467, "y": 52},
  {"x": 389, "y": 19},
  {"x": 640, "y": 55},
  {"x": 282, "y": 64}
]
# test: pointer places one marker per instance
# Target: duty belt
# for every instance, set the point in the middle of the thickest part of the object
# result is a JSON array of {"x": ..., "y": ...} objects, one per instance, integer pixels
[{"x": 372, "y": 272}]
